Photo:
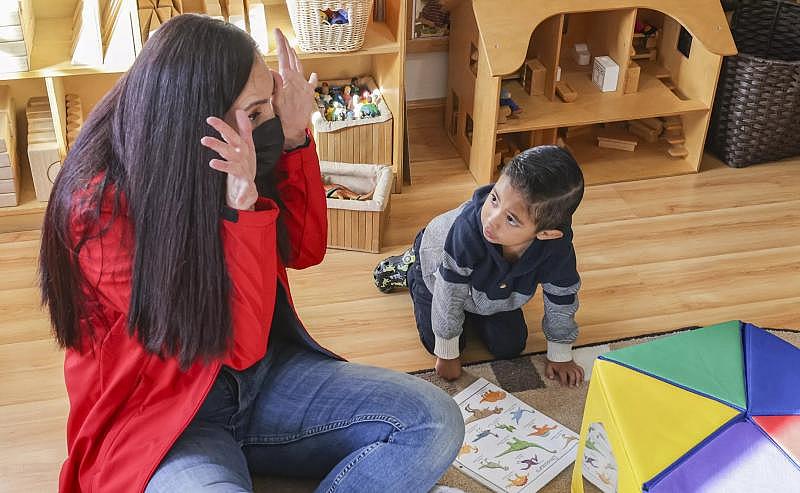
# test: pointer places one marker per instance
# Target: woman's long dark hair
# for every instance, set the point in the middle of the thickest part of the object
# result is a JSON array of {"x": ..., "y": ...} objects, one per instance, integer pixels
[{"x": 144, "y": 139}]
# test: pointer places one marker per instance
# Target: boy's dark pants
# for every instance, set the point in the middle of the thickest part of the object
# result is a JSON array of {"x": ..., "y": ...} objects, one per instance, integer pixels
[{"x": 504, "y": 333}]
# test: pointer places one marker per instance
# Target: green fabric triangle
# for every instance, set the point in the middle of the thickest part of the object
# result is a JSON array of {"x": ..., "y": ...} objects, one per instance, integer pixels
[{"x": 707, "y": 360}]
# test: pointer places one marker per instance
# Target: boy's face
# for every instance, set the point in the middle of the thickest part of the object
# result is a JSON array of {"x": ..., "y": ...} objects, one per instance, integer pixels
[{"x": 506, "y": 219}]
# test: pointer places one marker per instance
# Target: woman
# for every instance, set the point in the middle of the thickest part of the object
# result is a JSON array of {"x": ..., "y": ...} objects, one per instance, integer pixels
[{"x": 163, "y": 266}]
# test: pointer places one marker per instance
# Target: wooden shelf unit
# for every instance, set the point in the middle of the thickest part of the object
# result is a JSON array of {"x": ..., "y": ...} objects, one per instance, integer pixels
[
  {"x": 671, "y": 85},
  {"x": 382, "y": 57}
]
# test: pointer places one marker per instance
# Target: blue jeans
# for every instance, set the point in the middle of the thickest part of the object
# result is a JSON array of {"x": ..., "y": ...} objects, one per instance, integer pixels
[{"x": 301, "y": 413}]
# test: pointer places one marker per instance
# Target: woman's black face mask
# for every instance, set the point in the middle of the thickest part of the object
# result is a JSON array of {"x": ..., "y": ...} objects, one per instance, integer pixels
[{"x": 268, "y": 142}]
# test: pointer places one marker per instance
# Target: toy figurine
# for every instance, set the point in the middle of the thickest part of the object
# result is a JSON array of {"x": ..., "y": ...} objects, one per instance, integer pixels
[
  {"x": 336, "y": 191},
  {"x": 347, "y": 97},
  {"x": 369, "y": 110},
  {"x": 339, "y": 17},
  {"x": 505, "y": 100},
  {"x": 325, "y": 89}
]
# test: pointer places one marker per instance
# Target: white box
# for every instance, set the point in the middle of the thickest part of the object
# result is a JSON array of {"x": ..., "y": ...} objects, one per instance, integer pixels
[
  {"x": 580, "y": 53},
  {"x": 605, "y": 73}
]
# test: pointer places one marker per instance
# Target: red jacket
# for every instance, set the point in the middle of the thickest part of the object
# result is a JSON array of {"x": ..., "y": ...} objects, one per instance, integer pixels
[{"x": 127, "y": 407}]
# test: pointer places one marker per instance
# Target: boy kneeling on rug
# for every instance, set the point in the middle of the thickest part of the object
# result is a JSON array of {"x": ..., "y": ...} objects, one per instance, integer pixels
[{"x": 479, "y": 263}]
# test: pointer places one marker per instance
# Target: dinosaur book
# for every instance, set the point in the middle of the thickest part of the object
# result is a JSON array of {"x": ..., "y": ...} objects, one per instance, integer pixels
[{"x": 509, "y": 446}]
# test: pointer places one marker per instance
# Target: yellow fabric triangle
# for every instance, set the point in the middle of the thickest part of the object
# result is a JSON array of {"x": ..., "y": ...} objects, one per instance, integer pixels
[
  {"x": 658, "y": 422},
  {"x": 611, "y": 467}
]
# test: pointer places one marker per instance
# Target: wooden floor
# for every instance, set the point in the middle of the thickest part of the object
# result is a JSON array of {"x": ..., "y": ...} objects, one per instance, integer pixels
[{"x": 654, "y": 255}]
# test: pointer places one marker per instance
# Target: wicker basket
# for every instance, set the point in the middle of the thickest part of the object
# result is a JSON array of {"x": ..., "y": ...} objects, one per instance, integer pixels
[
  {"x": 314, "y": 35},
  {"x": 756, "y": 115}
]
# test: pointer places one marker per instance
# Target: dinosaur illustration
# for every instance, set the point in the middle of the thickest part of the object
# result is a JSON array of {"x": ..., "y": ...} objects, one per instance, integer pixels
[
  {"x": 517, "y": 445},
  {"x": 517, "y": 414},
  {"x": 480, "y": 413},
  {"x": 590, "y": 461},
  {"x": 509, "y": 428},
  {"x": 604, "y": 478},
  {"x": 568, "y": 439},
  {"x": 542, "y": 431},
  {"x": 484, "y": 434},
  {"x": 530, "y": 462},
  {"x": 486, "y": 464},
  {"x": 493, "y": 396},
  {"x": 591, "y": 446},
  {"x": 518, "y": 480},
  {"x": 467, "y": 449}
]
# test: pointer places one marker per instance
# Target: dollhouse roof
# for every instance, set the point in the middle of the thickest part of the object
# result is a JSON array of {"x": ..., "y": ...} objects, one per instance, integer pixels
[{"x": 506, "y": 26}]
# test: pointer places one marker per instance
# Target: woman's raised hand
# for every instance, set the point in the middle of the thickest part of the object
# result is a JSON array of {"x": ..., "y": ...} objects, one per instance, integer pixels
[
  {"x": 238, "y": 160},
  {"x": 294, "y": 95}
]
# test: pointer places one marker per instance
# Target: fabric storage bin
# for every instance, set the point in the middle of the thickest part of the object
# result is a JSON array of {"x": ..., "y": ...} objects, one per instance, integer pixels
[
  {"x": 358, "y": 224},
  {"x": 756, "y": 114},
  {"x": 367, "y": 140},
  {"x": 315, "y": 34}
]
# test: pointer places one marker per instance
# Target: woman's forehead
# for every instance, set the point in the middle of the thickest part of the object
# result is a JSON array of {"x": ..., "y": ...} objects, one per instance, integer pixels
[{"x": 260, "y": 85}]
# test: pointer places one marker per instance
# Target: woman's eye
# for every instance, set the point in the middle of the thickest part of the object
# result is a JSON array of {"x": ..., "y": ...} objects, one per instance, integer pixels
[{"x": 254, "y": 115}]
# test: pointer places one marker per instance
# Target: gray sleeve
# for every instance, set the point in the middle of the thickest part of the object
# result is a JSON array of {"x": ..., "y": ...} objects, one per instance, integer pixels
[
  {"x": 447, "y": 308},
  {"x": 559, "y": 325}
]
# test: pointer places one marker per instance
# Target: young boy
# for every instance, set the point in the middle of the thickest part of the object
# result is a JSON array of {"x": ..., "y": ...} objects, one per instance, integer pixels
[{"x": 478, "y": 264}]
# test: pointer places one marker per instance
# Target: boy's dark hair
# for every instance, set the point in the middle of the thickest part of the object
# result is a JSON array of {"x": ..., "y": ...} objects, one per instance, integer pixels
[{"x": 551, "y": 180}]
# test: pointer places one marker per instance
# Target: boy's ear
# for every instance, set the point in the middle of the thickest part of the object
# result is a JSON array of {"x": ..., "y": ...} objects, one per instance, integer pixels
[{"x": 549, "y": 234}]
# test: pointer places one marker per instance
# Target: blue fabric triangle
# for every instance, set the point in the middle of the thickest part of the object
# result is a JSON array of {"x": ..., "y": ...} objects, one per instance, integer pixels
[{"x": 772, "y": 369}]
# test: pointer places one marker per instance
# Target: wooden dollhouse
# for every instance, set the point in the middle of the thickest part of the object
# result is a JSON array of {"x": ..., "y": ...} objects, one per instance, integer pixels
[{"x": 526, "y": 49}]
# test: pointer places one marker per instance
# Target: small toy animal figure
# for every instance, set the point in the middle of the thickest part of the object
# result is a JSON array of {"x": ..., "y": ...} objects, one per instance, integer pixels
[
  {"x": 530, "y": 462},
  {"x": 493, "y": 396},
  {"x": 485, "y": 464},
  {"x": 590, "y": 461},
  {"x": 480, "y": 413},
  {"x": 542, "y": 431},
  {"x": 517, "y": 445},
  {"x": 516, "y": 414},
  {"x": 518, "y": 480},
  {"x": 467, "y": 449},
  {"x": 484, "y": 434},
  {"x": 508, "y": 428}
]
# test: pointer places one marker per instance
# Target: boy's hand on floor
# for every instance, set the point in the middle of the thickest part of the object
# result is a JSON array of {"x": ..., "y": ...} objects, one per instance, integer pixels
[
  {"x": 568, "y": 372},
  {"x": 449, "y": 369}
]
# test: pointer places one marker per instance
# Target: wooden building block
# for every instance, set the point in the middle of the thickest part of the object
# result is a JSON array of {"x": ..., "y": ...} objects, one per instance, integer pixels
[
  {"x": 632, "y": 78},
  {"x": 566, "y": 92},
  {"x": 534, "y": 76},
  {"x": 45, "y": 161},
  {"x": 8, "y": 186},
  {"x": 673, "y": 123},
  {"x": 577, "y": 130},
  {"x": 641, "y": 130},
  {"x": 611, "y": 138},
  {"x": 674, "y": 137},
  {"x": 678, "y": 150}
]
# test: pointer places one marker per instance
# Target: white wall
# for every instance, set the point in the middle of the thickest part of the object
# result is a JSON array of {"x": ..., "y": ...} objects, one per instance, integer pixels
[{"x": 426, "y": 75}]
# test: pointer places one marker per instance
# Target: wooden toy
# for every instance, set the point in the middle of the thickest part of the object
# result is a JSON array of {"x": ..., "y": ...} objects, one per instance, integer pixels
[
  {"x": 612, "y": 138},
  {"x": 678, "y": 151},
  {"x": 632, "y": 78},
  {"x": 648, "y": 134},
  {"x": 533, "y": 79},
  {"x": 506, "y": 41},
  {"x": 566, "y": 92}
]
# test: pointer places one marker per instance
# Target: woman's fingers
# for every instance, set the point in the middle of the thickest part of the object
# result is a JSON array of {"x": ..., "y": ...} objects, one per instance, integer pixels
[
  {"x": 220, "y": 165},
  {"x": 224, "y": 149},
  {"x": 228, "y": 134},
  {"x": 283, "y": 54}
]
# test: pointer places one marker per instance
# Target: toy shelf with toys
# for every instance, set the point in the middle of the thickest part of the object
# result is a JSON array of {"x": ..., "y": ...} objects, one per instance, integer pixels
[
  {"x": 582, "y": 64},
  {"x": 81, "y": 47}
]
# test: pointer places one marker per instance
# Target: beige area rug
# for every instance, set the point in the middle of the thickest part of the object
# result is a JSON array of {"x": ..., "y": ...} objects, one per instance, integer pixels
[{"x": 521, "y": 376}]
